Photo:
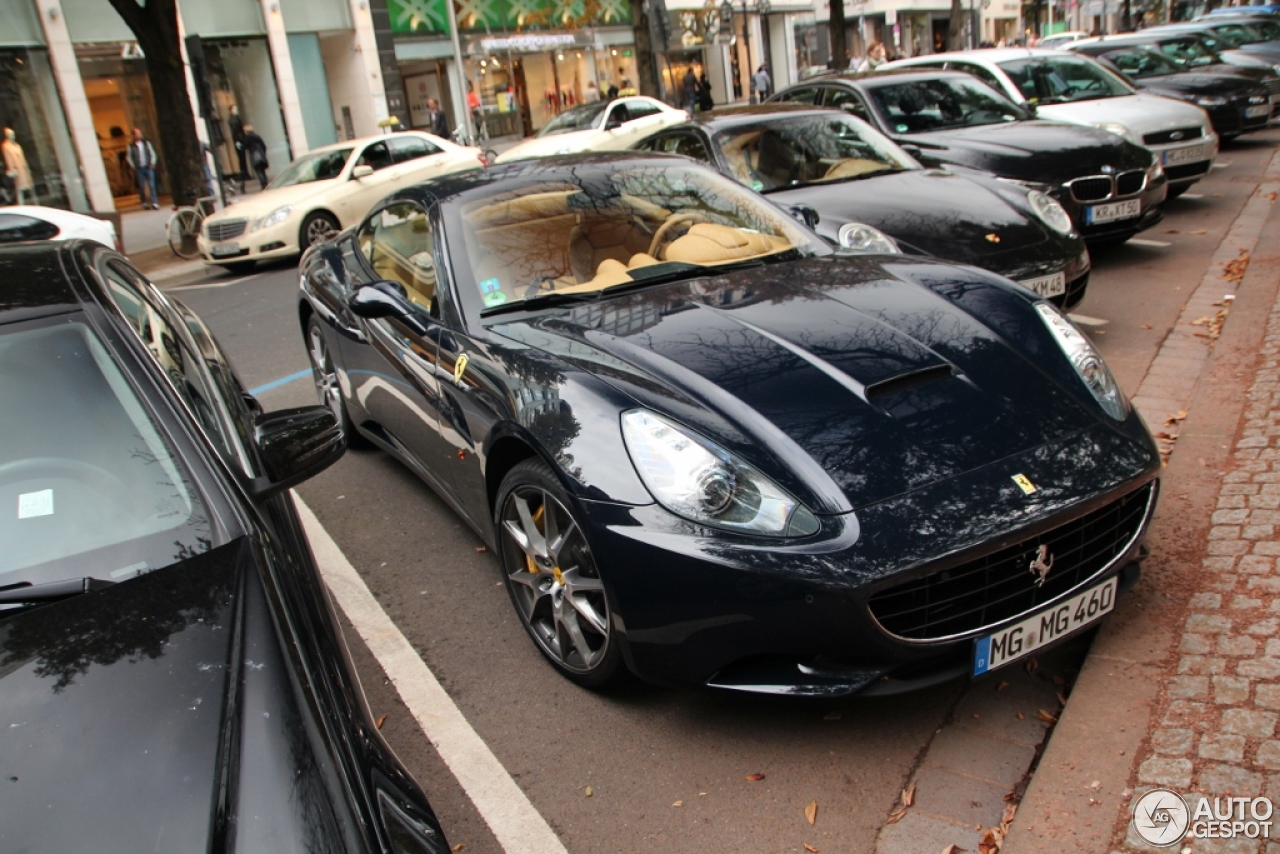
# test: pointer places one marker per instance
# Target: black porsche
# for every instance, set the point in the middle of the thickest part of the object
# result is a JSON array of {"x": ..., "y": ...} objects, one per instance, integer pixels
[
  {"x": 172, "y": 677},
  {"x": 1235, "y": 106},
  {"x": 870, "y": 195},
  {"x": 1112, "y": 188},
  {"x": 708, "y": 448}
]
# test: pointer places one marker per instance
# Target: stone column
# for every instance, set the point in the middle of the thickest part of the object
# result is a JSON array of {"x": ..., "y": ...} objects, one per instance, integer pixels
[{"x": 286, "y": 84}]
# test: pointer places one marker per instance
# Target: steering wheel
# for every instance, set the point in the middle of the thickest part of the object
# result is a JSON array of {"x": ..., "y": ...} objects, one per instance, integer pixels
[
  {"x": 669, "y": 224},
  {"x": 77, "y": 470}
]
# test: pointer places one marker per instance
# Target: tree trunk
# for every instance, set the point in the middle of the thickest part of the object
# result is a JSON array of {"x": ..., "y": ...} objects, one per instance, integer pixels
[
  {"x": 647, "y": 55},
  {"x": 155, "y": 25},
  {"x": 955, "y": 30},
  {"x": 839, "y": 41}
]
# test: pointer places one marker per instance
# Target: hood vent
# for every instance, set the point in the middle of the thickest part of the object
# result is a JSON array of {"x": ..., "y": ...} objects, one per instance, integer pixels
[{"x": 911, "y": 380}]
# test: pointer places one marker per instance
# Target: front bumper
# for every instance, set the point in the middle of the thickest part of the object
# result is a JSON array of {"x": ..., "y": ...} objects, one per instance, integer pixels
[
  {"x": 693, "y": 606},
  {"x": 1150, "y": 198},
  {"x": 278, "y": 241}
]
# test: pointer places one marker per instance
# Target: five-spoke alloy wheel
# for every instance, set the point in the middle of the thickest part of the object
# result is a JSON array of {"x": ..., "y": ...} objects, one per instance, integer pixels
[{"x": 552, "y": 578}]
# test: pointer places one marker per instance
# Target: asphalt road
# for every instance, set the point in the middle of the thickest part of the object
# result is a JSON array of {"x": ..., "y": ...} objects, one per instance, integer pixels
[{"x": 643, "y": 750}]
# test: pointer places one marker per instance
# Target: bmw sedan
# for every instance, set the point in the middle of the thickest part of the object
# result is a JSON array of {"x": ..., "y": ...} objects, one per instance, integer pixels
[
  {"x": 870, "y": 195},
  {"x": 172, "y": 676},
  {"x": 1112, "y": 188},
  {"x": 708, "y": 448}
]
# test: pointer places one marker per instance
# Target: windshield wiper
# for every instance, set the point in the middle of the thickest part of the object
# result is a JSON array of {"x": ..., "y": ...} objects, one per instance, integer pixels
[
  {"x": 540, "y": 300},
  {"x": 670, "y": 271},
  {"x": 27, "y": 593}
]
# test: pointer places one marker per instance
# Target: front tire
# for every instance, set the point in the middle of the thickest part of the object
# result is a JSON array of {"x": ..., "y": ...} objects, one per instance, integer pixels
[
  {"x": 553, "y": 579},
  {"x": 325, "y": 376},
  {"x": 317, "y": 228}
]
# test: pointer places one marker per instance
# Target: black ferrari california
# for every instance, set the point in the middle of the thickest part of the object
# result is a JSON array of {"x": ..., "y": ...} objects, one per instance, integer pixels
[
  {"x": 1111, "y": 187},
  {"x": 872, "y": 196},
  {"x": 709, "y": 448},
  {"x": 172, "y": 677}
]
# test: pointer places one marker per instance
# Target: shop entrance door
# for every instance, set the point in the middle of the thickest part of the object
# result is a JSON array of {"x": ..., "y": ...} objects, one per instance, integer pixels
[{"x": 119, "y": 94}]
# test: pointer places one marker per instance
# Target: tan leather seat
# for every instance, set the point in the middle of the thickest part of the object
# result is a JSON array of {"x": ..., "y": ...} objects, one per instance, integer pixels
[
  {"x": 710, "y": 243},
  {"x": 616, "y": 239}
]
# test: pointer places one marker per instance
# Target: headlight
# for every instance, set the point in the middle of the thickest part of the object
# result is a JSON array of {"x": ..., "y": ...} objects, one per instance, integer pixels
[
  {"x": 864, "y": 238},
  {"x": 1050, "y": 212},
  {"x": 1212, "y": 101},
  {"x": 695, "y": 478},
  {"x": 1155, "y": 170},
  {"x": 1088, "y": 364},
  {"x": 1118, "y": 129},
  {"x": 276, "y": 217}
]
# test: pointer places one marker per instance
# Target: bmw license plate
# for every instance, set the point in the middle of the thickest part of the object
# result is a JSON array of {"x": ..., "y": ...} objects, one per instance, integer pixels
[
  {"x": 1254, "y": 112},
  {"x": 1047, "y": 286},
  {"x": 220, "y": 249},
  {"x": 1095, "y": 214},
  {"x": 1044, "y": 628},
  {"x": 1184, "y": 155}
]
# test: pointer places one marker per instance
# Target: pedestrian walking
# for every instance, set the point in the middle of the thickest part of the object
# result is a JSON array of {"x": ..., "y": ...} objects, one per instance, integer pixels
[
  {"x": 876, "y": 57},
  {"x": 613, "y": 91},
  {"x": 436, "y": 119},
  {"x": 255, "y": 149},
  {"x": 627, "y": 89},
  {"x": 761, "y": 84},
  {"x": 705, "y": 101},
  {"x": 689, "y": 86},
  {"x": 237, "y": 139},
  {"x": 142, "y": 158}
]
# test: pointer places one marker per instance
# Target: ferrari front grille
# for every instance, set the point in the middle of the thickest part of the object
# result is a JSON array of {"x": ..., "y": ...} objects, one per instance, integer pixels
[{"x": 974, "y": 596}]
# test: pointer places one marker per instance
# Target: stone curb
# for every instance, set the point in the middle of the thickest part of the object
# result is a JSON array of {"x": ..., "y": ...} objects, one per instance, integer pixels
[{"x": 1078, "y": 798}]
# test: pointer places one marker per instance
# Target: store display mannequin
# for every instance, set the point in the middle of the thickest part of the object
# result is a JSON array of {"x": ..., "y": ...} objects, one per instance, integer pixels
[{"x": 15, "y": 167}]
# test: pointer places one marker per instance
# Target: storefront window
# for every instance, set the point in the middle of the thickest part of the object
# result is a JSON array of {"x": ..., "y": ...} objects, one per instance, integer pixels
[
  {"x": 813, "y": 45},
  {"x": 244, "y": 93},
  {"x": 30, "y": 107},
  {"x": 119, "y": 93}
]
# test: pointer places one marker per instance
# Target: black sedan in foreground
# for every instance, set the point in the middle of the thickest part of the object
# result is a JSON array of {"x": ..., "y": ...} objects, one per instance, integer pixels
[
  {"x": 1112, "y": 188},
  {"x": 1235, "y": 106},
  {"x": 710, "y": 449},
  {"x": 172, "y": 677},
  {"x": 872, "y": 196}
]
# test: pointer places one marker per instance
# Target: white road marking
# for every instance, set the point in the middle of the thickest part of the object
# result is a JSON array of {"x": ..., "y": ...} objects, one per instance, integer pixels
[
  {"x": 1192, "y": 196},
  {"x": 1158, "y": 244},
  {"x": 1086, "y": 320},
  {"x": 239, "y": 281},
  {"x": 518, "y": 827}
]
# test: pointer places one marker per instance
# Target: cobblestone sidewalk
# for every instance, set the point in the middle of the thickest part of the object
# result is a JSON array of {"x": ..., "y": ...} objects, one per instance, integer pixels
[{"x": 1217, "y": 731}]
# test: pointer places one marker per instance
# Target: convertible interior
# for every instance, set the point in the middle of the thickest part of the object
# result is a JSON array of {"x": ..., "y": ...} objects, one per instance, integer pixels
[{"x": 559, "y": 239}]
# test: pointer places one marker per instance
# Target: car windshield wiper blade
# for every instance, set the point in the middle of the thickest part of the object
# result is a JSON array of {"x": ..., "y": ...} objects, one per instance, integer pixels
[
  {"x": 21, "y": 594},
  {"x": 670, "y": 271},
  {"x": 540, "y": 300}
]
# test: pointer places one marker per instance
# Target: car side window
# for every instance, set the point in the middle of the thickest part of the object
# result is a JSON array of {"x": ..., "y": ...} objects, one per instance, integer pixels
[
  {"x": 806, "y": 95},
  {"x": 15, "y": 227},
  {"x": 640, "y": 109},
  {"x": 981, "y": 73},
  {"x": 406, "y": 148},
  {"x": 848, "y": 101},
  {"x": 376, "y": 155},
  {"x": 618, "y": 115},
  {"x": 681, "y": 143},
  {"x": 168, "y": 347},
  {"x": 396, "y": 243}
]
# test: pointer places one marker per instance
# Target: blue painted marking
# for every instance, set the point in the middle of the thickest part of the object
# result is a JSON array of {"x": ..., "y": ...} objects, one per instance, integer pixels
[
  {"x": 277, "y": 383},
  {"x": 982, "y": 655}
]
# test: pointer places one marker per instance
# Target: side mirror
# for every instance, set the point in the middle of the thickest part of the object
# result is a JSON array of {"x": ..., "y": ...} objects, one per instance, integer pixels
[
  {"x": 805, "y": 214},
  {"x": 295, "y": 444},
  {"x": 364, "y": 170},
  {"x": 1029, "y": 107},
  {"x": 387, "y": 299}
]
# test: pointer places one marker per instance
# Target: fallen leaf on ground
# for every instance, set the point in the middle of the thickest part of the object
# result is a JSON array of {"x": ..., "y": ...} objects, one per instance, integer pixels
[
  {"x": 1021, "y": 716},
  {"x": 811, "y": 812},
  {"x": 481, "y": 549},
  {"x": 952, "y": 849},
  {"x": 1046, "y": 717},
  {"x": 908, "y": 798},
  {"x": 1002, "y": 686},
  {"x": 1146, "y": 326},
  {"x": 1010, "y": 810},
  {"x": 991, "y": 841},
  {"x": 1180, "y": 415},
  {"x": 755, "y": 777},
  {"x": 588, "y": 791},
  {"x": 1192, "y": 231},
  {"x": 678, "y": 804},
  {"x": 809, "y": 848},
  {"x": 1031, "y": 666},
  {"x": 458, "y": 847},
  {"x": 380, "y": 721},
  {"x": 1062, "y": 701}
]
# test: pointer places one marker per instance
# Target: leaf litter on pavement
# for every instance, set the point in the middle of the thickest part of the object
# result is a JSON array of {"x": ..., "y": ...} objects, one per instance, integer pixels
[{"x": 907, "y": 799}]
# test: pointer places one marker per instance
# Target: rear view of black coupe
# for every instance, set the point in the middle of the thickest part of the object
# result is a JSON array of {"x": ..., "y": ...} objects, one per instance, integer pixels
[
  {"x": 872, "y": 196},
  {"x": 710, "y": 449},
  {"x": 172, "y": 678}
]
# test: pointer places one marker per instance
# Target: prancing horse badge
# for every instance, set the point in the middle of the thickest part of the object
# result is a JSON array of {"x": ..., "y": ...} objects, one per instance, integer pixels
[{"x": 458, "y": 367}]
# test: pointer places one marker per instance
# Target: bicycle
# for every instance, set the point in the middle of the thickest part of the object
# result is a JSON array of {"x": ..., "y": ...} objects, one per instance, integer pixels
[
  {"x": 459, "y": 137},
  {"x": 184, "y": 226}
]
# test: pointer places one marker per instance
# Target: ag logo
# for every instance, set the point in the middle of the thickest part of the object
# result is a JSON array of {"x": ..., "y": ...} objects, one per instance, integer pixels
[{"x": 1161, "y": 817}]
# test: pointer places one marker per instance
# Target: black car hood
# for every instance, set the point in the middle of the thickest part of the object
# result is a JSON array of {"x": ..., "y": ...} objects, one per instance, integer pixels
[
  {"x": 829, "y": 372},
  {"x": 1200, "y": 84},
  {"x": 1040, "y": 151},
  {"x": 929, "y": 210}
]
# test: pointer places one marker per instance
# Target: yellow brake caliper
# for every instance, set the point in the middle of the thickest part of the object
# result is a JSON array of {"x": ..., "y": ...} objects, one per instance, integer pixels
[{"x": 537, "y": 520}]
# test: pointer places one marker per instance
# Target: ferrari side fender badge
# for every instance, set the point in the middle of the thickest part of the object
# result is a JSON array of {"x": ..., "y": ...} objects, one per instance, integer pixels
[
  {"x": 993, "y": 238},
  {"x": 1024, "y": 483},
  {"x": 459, "y": 367}
]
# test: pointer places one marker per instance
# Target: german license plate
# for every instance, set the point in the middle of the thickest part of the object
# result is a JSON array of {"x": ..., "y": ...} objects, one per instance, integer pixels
[
  {"x": 1254, "y": 112},
  {"x": 1095, "y": 214},
  {"x": 1044, "y": 628},
  {"x": 1047, "y": 286},
  {"x": 220, "y": 249},
  {"x": 1184, "y": 155}
]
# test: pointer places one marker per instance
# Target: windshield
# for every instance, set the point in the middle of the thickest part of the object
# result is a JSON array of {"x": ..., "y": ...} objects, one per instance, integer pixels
[
  {"x": 587, "y": 228},
  {"x": 792, "y": 152},
  {"x": 320, "y": 166},
  {"x": 579, "y": 118},
  {"x": 1189, "y": 51},
  {"x": 90, "y": 485},
  {"x": 1059, "y": 79},
  {"x": 1241, "y": 33},
  {"x": 919, "y": 106},
  {"x": 1142, "y": 63}
]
